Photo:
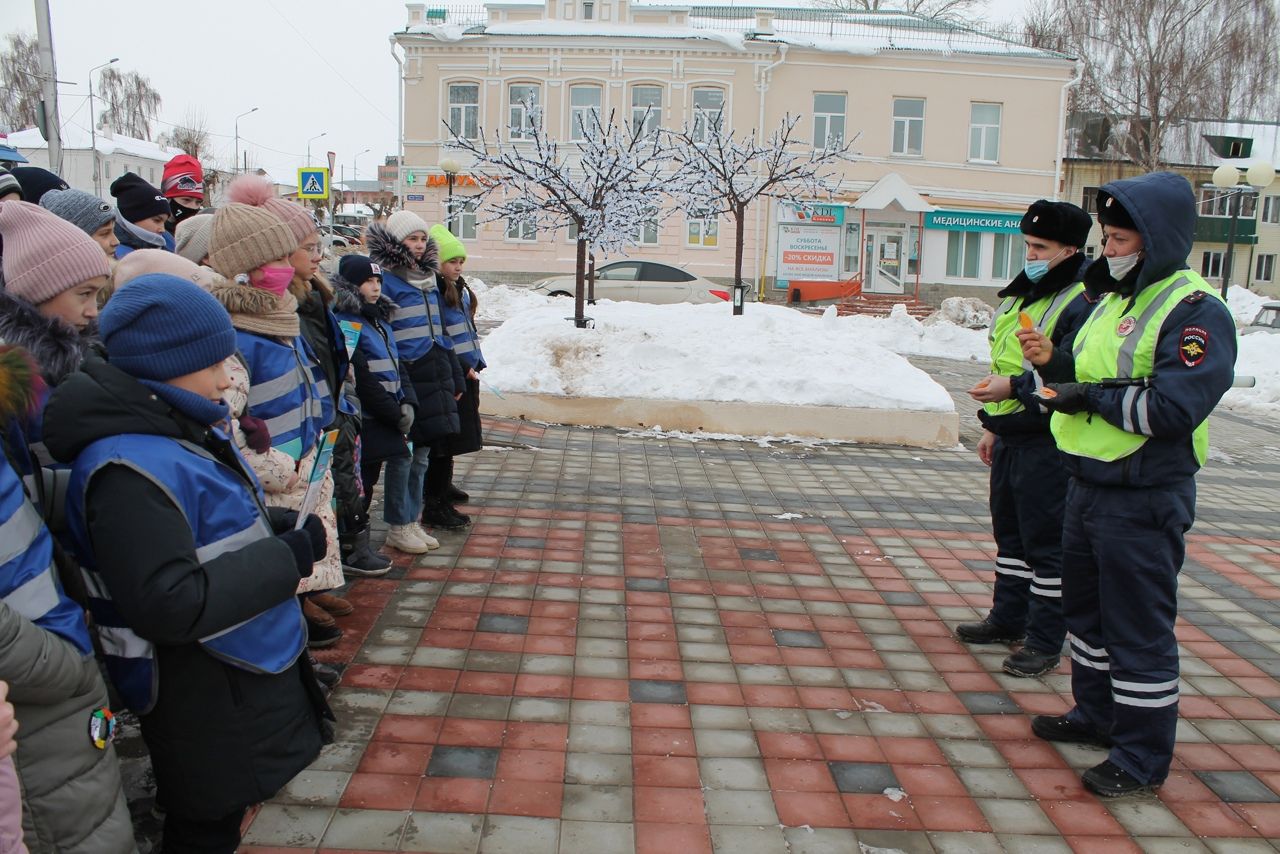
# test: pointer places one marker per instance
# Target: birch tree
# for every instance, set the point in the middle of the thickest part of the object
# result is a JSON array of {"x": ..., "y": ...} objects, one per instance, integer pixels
[
  {"x": 131, "y": 104},
  {"x": 19, "y": 82}
]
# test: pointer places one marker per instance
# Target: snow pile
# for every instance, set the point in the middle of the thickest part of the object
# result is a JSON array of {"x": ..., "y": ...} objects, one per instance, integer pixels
[
  {"x": 1259, "y": 358},
  {"x": 1244, "y": 304},
  {"x": 771, "y": 354},
  {"x": 501, "y": 302},
  {"x": 969, "y": 312},
  {"x": 902, "y": 333}
]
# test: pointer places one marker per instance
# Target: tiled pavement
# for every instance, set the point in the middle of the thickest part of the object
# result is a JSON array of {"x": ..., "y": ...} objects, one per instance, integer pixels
[{"x": 654, "y": 645}]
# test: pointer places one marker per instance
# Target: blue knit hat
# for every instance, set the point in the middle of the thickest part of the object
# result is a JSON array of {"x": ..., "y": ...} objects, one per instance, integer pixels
[{"x": 159, "y": 327}]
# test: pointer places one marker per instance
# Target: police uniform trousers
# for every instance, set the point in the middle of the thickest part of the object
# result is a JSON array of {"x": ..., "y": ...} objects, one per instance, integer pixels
[
  {"x": 1028, "y": 494},
  {"x": 1122, "y": 550}
]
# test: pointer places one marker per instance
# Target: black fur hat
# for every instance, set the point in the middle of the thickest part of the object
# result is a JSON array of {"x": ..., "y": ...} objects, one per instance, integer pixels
[{"x": 1061, "y": 222}]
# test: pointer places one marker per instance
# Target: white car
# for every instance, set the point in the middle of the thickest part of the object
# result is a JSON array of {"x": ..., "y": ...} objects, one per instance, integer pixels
[
  {"x": 1268, "y": 319},
  {"x": 641, "y": 281}
]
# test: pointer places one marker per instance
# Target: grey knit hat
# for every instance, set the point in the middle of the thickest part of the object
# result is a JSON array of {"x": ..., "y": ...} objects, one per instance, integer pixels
[
  {"x": 84, "y": 210},
  {"x": 192, "y": 237},
  {"x": 9, "y": 184}
]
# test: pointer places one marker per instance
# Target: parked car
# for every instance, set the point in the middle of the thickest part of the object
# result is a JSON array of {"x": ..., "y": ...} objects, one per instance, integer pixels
[
  {"x": 355, "y": 236},
  {"x": 335, "y": 239},
  {"x": 1268, "y": 319},
  {"x": 641, "y": 281}
]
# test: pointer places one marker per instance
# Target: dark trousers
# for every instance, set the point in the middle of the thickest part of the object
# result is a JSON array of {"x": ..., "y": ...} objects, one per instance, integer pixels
[
  {"x": 1122, "y": 550},
  {"x": 439, "y": 476},
  {"x": 347, "y": 491},
  {"x": 191, "y": 836},
  {"x": 1028, "y": 494},
  {"x": 370, "y": 474}
]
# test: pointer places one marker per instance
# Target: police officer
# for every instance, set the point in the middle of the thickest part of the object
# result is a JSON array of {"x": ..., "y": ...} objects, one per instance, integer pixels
[
  {"x": 1028, "y": 480},
  {"x": 1131, "y": 394}
]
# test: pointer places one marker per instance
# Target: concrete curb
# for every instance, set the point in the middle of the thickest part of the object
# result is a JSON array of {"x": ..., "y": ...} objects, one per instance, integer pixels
[{"x": 914, "y": 428}]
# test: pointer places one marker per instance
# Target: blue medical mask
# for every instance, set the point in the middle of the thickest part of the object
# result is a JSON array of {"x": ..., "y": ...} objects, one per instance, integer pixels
[{"x": 1035, "y": 270}]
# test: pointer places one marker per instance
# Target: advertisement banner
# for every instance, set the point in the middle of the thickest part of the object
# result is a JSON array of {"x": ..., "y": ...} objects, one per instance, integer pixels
[
  {"x": 815, "y": 214},
  {"x": 808, "y": 253},
  {"x": 990, "y": 221}
]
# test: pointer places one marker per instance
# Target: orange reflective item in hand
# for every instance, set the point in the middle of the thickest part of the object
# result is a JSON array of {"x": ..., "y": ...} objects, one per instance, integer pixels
[
  {"x": 1025, "y": 321},
  {"x": 1046, "y": 393}
]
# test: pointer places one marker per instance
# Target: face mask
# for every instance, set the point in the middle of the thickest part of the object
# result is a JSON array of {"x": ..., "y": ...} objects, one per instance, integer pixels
[
  {"x": 275, "y": 280},
  {"x": 1120, "y": 265},
  {"x": 181, "y": 212},
  {"x": 1036, "y": 270}
]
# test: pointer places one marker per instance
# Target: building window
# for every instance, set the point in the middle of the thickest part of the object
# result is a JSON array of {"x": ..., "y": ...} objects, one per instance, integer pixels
[
  {"x": 908, "y": 126},
  {"x": 1265, "y": 268},
  {"x": 646, "y": 108},
  {"x": 1211, "y": 264},
  {"x": 708, "y": 111},
  {"x": 521, "y": 98},
  {"x": 588, "y": 11},
  {"x": 1007, "y": 256},
  {"x": 984, "y": 132},
  {"x": 646, "y": 231},
  {"x": 1271, "y": 209},
  {"x": 465, "y": 217},
  {"x": 1216, "y": 202},
  {"x": 1089, "y": 200},
  {"x": 464, "y": 109},
  {"x": 964, "y": 251},
  {"x": 521, "y": 229},
  {"x": 584, "y": 110},
  {"x": 828, "y": 119},
  {"x": 703, "y": 231}
]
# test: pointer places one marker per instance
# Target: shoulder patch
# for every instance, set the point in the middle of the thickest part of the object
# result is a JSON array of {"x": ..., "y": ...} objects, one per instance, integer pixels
[
  {"x": 1193, "y": 345},
  {"x": 1194, "y": 297}
]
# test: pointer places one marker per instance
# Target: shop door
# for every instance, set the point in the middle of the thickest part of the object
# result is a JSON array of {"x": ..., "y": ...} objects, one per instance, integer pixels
[{"x": 884, "y": 262}]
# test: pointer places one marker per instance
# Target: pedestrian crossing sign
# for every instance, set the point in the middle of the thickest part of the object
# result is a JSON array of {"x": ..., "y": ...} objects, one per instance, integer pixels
[{"x": 313, "y": 182}]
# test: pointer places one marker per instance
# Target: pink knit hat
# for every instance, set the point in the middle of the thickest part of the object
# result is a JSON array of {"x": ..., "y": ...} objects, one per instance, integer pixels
[
  {"x": 143, "y": 262},
  {"x": 252, "y": 190},
  {"x": 44, "y": 254}
]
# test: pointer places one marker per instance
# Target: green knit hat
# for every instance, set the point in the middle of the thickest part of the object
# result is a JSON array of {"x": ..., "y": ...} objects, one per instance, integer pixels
[{"x": 447, "y": 245}]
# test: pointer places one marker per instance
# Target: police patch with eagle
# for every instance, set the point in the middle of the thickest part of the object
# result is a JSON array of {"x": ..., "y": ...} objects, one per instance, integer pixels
[{"x": 1194, "y": 345}]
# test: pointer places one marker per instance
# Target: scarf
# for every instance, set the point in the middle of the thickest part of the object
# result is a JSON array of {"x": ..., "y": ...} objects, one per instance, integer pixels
[
  {"x": 138, "y": 238},
  {"x": 279, "y": 322},
  {"x": 195, "y": 407}
]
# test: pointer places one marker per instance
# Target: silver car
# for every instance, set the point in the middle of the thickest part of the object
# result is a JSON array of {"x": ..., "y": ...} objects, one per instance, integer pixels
[
  {"x": 641, "y": 281},
  {"x": 1268, "y": 319}
]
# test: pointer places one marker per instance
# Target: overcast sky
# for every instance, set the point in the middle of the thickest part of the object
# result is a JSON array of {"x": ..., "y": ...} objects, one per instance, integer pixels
[{"x": 310, "y": 66}]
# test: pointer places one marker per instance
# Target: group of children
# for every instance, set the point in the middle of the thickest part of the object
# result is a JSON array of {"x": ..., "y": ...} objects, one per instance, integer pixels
[{"x": 193, "y": 467}]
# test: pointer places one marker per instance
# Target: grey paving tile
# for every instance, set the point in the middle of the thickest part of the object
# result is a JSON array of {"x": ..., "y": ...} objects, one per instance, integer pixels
[
  {"x": 761, "y": 839},
  {"x": 647, "y": 585},
  {"x": 658, "y": 691},
  {"x": 1238, "y": 787},
  {"x": 577, "y": 837},
  {"x": 506, "y": 623},
  {"x": 988, "y": 703},
  {"x": 288, "y": 825},
  {"x": 597, "y": 770},
  {"x": 798, "y": 638},
  {"x": 739, "y": 806},
  {"x": 513, "y": 834},
  {"x": 442, "y": 833},
  {"x": 868, "y": 778},
  {"x": 597, "y": 803},
  {"x": 451, "y": 761},
  {"x": 369, "y": 830}
]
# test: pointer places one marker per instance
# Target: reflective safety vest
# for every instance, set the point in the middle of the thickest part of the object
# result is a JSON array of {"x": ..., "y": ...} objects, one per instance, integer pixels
[
  {"x": 225, "y": 513},
  {"x": 287, "y": 390},
  {"x": 1119, "y": 341},
  {"x": 462, "y": 332},
  {"x": 417, "y": 323},
  {"x": 28, "y": 575},
  {"x": 1006, "y": 350},
  {"x": 380, "y": 353}
]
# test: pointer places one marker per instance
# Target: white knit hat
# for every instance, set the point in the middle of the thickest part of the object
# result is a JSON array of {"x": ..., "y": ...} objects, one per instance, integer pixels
[{"x": 403, "y": 223}]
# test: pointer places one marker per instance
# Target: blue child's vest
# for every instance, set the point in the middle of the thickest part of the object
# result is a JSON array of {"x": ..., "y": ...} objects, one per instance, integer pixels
[{"x": 287, "y": 390}]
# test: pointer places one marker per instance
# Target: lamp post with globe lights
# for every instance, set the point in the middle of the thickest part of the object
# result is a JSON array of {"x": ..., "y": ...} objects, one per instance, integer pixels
[
  {"x": 451, "y": 168},
  {"x": 1257, "y": 177}
]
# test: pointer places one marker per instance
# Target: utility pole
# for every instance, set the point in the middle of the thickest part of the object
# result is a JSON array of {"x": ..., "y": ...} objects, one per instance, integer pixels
[{"x": 50, "y": 123}]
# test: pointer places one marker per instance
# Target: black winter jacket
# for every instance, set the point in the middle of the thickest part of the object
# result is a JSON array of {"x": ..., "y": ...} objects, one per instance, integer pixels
[{"x": 220, "y": 738}]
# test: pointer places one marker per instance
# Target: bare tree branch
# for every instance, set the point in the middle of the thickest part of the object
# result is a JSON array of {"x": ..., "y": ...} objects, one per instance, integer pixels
[
  {"x": 19, "y": 82},
  {"x": 131, "y": 104}
]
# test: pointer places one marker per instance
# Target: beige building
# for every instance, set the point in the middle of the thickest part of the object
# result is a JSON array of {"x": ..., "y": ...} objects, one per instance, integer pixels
[
  {"x": 1194, "y": 149},
  {"x": 955, "y": 132}
]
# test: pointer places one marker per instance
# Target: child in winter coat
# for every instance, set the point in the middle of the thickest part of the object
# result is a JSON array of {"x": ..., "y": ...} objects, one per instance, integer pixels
[
  {"x": 191, "y": 577},
  {"x": 387, "y": 399},
  {"x": 182, "y": 183},
  {"x": 87, "y": 212},
  {"x": 279, "y": 397},
  {"x": 53, "y": 272},
  {"x": 407, "y": 257},
  {"x": 320, "y": 328},
  {"x": 458, "y": 305},
  {"x": 141, "y": 214},
  {"x": 72, "y": 796}
]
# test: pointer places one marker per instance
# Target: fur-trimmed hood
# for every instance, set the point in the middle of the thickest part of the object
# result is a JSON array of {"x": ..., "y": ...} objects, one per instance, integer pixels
[
  {"x": 246, "y": 299},
  {"x": 391, "y": 254},
  {"x": 347, "y": 300},
  {"x": 57, "y": 347},
  {"x": 21, "y": 387}
]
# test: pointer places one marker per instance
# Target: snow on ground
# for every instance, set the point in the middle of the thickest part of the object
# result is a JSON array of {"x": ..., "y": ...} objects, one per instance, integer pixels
[
  {"x": 902, "y": 333},
  {"x": 1244, "y": 304},
  {"x": 1259, "y": 358},
  {"x": 771, "y": 354}
]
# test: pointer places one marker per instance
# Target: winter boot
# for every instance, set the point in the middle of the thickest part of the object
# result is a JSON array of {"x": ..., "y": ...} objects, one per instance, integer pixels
[
  {"x": 322, "y": 629},
  {"x": 438, "y": 514},
  {"x": 988, "y": 632},
  {"x": 358, "y": 558},
  {"x": 453, "y": 495},
  {"x": 335, "y": 605}
]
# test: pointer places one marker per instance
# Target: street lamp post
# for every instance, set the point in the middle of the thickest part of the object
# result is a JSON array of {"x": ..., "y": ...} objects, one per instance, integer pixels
[
  {"x": 236, "y": 166},
  {"x": 353, "y": 170},
  {"x": 93, "y": 128},
  {"x": 313, "y": 139},
  {"x": 1257, "y": 177},
  {"x": 451, "y": 168}
]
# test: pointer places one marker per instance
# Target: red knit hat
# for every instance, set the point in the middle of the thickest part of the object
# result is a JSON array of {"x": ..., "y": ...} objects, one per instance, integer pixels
[
  {"x": 44, "y": 254},
  {"x": 183, "y": 176}
]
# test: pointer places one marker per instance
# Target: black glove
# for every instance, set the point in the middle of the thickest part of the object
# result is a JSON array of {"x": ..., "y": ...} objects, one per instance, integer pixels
[
  {"x": 1069, "y": 398},
  {"x": 406, "y": 418},
  {"x": 282, "y": 520},
  {"x": 307, "y": 544}
]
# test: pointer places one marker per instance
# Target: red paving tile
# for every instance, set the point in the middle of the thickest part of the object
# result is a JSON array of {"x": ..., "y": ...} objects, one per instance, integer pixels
[
  {"x": 1082, "y": 818},
  {"x": 661, "y": 838},
  {"x": 799, "y": 775},
  {"x": 949, "y": 813},
  {"x": 540, "y": 765},
  {"x": 1214, "y": 819},
  {"x": 669, "y": 771},
  {"x": 452, "y": 794},
  {"x": 668, "y": 804},
  {"x": 816, "y": 809},
  {"x": 536, "y": 736},
  {"x": 930, "y": 780},
  {"x": 878, "y": 812},
  {"x": 471, "y": 732},
  {"x": 388, "y": 757},
  {"x": 538, "y": 798},
  {"x": 662, "y": 741},
  {"x": 380, "y": 791}
]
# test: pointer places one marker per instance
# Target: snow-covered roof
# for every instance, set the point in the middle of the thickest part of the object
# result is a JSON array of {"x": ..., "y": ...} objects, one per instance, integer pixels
[
  {"x": 862, "y": 32},
  {"x": 76, "y": 137},
  {"x": 890, "y": 189},
  {"x": 1184, "y": 143}
]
